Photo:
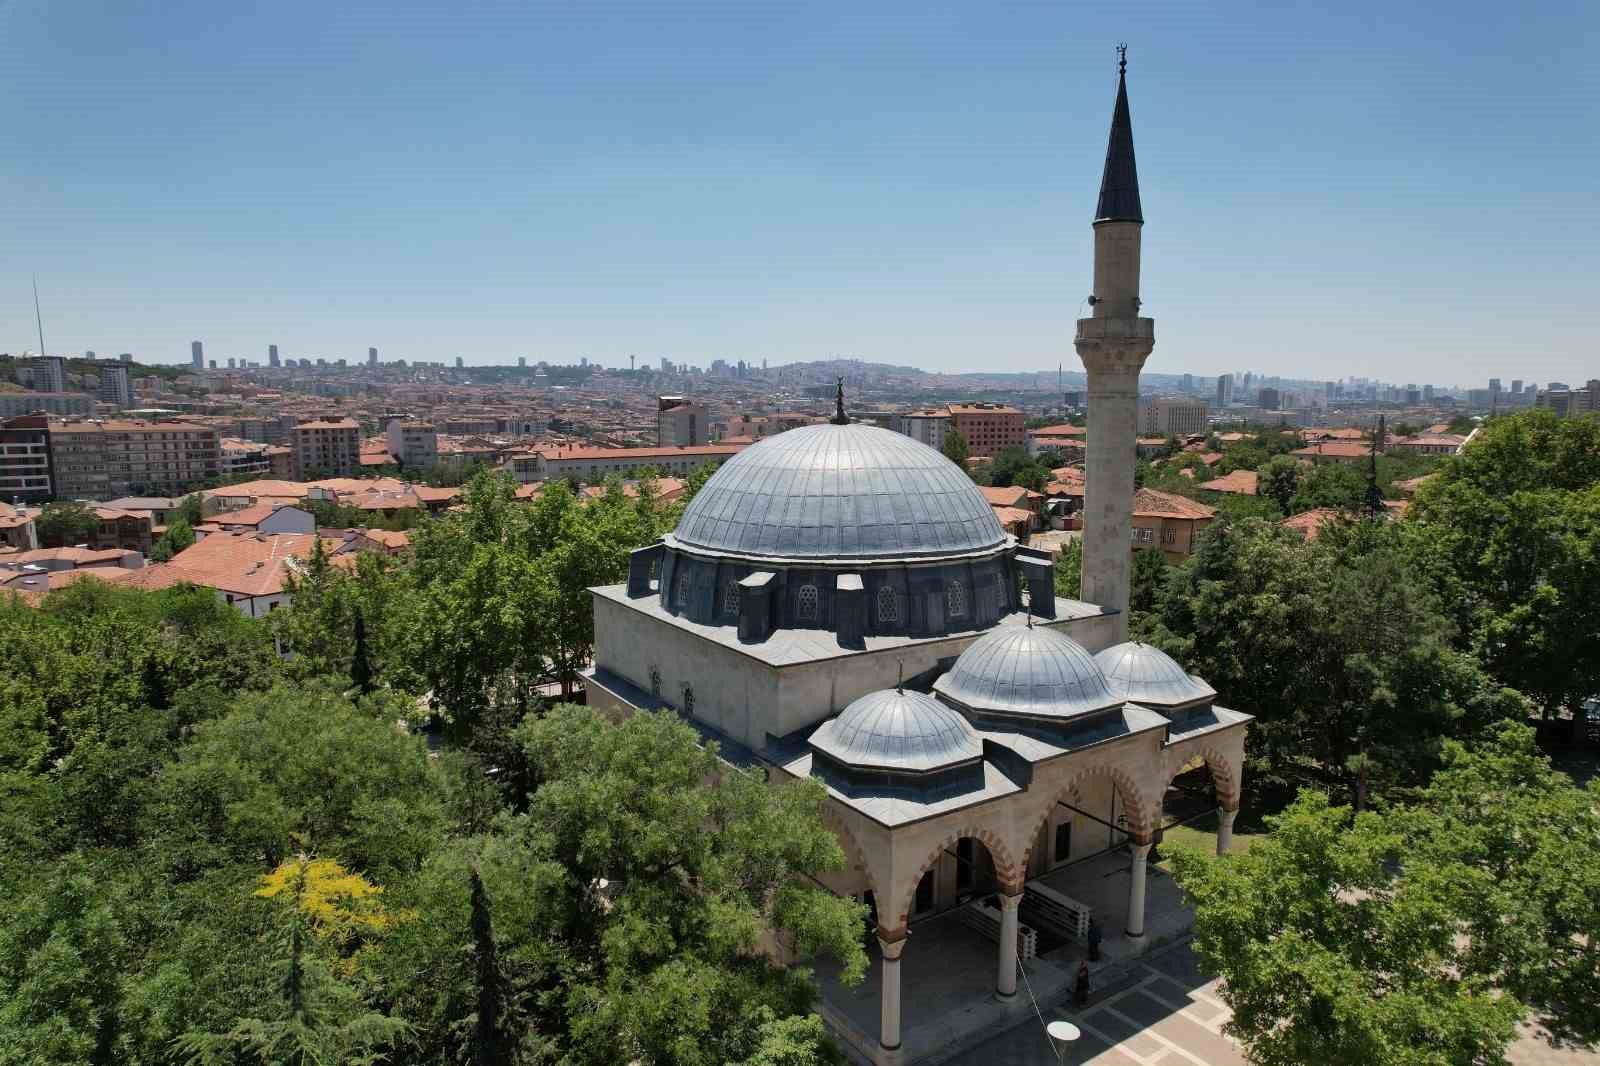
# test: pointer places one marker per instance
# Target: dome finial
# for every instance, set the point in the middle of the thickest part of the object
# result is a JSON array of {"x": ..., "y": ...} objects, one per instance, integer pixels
[
  {"x": 1122, "y": 59},
  {"x": 839, "y": 417},
  {"x": 900, "y": 682}
]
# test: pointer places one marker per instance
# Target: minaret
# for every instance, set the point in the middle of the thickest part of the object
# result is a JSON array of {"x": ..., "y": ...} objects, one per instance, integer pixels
[{"x": 1113, "y": 346}]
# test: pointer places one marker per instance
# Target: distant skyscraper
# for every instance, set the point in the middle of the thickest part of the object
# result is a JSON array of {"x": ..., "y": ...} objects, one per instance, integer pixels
[
  {"x": 115, "y": 388},
  {"x": 1516, "y": 386},
  {"x": 1188, "y": 383},
  {"x": 125, "y": 357},
  {"x": 231, "y": 363},
  {"x": 213, "y": 363},
  {"x": 49, "y": 374},
  {"x": 1269, "y": 399},
  {"x": 522, "y": 362},
  {"x": 459, "y": 363},
  {"x": 197, "y": 355},
  {"x": 89, "y": 355},
  {"x": 1494, "y": 386},
  {"x": 272, "y": 355},
  {"x": 1224, "y": 389},
  {"x": 372, "y": 357}
]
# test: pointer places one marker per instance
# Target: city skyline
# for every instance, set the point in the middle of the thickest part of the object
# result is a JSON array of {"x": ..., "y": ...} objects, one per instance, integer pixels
[{"x": 903, "y": 187}]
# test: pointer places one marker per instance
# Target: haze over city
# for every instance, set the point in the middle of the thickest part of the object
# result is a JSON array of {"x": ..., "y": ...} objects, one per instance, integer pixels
[{"x": 1331, "y": 191}]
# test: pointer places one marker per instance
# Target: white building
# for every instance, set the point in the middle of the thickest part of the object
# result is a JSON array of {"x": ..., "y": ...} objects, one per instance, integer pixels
[{"x": 839, "y": 603}]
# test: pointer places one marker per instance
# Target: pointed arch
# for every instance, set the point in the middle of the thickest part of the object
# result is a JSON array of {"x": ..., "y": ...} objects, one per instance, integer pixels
[
  {"x": 1006, "y": 871},
  {"x": 1224, "y": 775},
  {"x": 1135, "y": 808},
  {"x": 854, "y": 855}
]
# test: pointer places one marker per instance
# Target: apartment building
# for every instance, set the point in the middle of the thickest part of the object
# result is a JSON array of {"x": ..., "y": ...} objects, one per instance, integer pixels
[
  {"x": 325, "y": 449},
  {"x": 99, "y": 460},
  {"x": 25, "y": 458},
  {"x": 927, "y": 427},
  {"x": 594, "y": 465},
  {"x": 115, "y": 387},
  {"x": 989, "y": 428},
  {"x": 1167, "y": 521},
  {"x": 680, "y": 422},
  {"x": 1176, "y": 417},
  {"x": 1572, "y": 402},
  {"x": 413, "y": 443},
  {"x": 245, "y": 457},
  {"x": 48, "y": 403}
]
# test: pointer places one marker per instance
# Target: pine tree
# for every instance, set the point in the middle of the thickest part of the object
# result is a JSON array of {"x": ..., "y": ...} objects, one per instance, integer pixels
[
  {"x": 486, "y": 1037},
  {"x": 360, "y": 664}
]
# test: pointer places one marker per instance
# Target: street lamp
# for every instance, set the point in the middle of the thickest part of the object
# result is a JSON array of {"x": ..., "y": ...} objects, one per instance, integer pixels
[{"x": 1061, "y": 1034}]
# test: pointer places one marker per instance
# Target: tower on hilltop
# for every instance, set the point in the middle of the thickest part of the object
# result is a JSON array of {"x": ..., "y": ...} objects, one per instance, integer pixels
[{"x": 1113, "y": 345}]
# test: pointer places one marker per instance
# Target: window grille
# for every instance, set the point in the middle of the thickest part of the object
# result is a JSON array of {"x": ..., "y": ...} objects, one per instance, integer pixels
[
  {"x": 888, "y": 605},
  {"x": 808, "y": 603},
  {"x": 955, "y": 599},
  {"x": 682, "y": 598},
  {"x": 730, "y": 598}
]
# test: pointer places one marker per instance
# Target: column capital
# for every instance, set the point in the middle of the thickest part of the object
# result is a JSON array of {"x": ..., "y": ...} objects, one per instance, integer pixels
[
  {"x": 892, "y": 949},
  {"x": 1140, "y": 852},
  {"x": 1010, "y": 901}
]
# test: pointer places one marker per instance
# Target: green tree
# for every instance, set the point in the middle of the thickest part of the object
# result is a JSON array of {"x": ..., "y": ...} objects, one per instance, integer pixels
[
  {"x": 65, "y": 524},
  {"x": 1514, "y": 522},
  {"x": 1328, "y": 957},
  {"x": 1069, "y": 570},
  {"x": 1278, "y": 480},
  {"x": 1420, "y": 933},
  {"x": 1336, "y": 485},
  {"x": 316, "y": 1019},
  {"x": 360, "y": 663},
  {"x": 179, "y": 535},
  {"x": 955, "y": 449},
  {"x": 1148, "y": 572},
  {"x": 1014, "y": 466}
]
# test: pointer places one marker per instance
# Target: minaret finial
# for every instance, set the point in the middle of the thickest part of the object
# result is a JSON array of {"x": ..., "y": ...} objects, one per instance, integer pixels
[
  {"x": 839, "y": 417},
  {"x": 1122, "y": 59}
]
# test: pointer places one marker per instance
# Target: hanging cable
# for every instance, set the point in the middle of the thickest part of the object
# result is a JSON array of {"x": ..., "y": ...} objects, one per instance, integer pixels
[{"x": 1037, "y": 1013}]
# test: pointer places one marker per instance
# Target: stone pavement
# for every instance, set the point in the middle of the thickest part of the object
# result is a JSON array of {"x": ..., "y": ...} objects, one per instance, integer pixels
[{"x": 1167, "y": 1013}]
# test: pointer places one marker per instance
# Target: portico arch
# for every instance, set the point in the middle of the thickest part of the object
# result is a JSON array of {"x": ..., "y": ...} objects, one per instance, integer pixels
[
  {"x": 1225, "y": 775},
  {"x": 1136, "y": 810},
  {"x": 1007, "y": 871},
  {"x": 854, "y": 855}
]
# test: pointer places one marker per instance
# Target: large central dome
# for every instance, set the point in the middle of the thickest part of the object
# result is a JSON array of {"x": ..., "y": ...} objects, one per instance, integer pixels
[{"x": 840, "y": 492}]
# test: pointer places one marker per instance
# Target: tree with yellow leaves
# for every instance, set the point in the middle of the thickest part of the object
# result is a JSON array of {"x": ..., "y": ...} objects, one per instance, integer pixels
[{"x": 319, "y": 1019}]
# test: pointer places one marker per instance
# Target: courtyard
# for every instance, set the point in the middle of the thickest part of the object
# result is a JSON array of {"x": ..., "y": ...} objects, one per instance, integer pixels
[{"x": 1165, "y": 1012}]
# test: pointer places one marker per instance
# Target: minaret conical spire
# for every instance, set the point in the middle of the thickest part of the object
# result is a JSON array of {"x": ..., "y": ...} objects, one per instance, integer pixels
[{"x": 1119, "y": 185}]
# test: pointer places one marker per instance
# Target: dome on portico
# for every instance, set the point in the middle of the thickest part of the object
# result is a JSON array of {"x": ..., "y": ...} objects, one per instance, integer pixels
[
  {"x": 1142, "y": 673},
  {"x": 898, "y": 731},
  {"x": 1028, "y": 670},
  {"x": 839, "y": 492}
]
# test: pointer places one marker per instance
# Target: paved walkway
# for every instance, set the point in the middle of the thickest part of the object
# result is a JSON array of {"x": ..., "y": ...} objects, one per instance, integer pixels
[{"x": 1170, "y": 1015}]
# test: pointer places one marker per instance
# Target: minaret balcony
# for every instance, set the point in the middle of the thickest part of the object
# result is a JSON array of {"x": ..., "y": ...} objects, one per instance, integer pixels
[{"x": 1117, "y": 329}]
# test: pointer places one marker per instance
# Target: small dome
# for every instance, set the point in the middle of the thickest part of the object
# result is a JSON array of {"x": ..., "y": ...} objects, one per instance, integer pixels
[
  {"x": 1027, "y": 670},
  {"x": 839, "y": 492},
  {"x": 894, "y": 730},
  {"x": 1144, "y": 674}
]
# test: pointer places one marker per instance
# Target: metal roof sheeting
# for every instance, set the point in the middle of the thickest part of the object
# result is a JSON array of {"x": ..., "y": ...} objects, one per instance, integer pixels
[
  {"x": 1145, "y": 674},
  {"x": 895, "y": 730},
  {"x": 1028, "y": 670},
  {"x": 840, "y": 492}
]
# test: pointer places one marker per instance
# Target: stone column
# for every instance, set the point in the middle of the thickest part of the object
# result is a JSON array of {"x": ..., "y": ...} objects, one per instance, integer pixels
[
  {"x": 1005, "y": 984},
  {"x": 1225, "y": 819},
  {"x": 1136, "y": 891},
  {"x": 889, "y": 991},
  {"x": 1113, "y": 351}
]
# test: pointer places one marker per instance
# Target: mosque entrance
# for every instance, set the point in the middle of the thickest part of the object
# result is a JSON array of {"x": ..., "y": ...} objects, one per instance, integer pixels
[{"x": 962, "y": 872}]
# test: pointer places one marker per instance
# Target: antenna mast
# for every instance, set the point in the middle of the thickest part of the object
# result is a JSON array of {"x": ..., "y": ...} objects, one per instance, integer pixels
[{"x": 37, "y": 317}]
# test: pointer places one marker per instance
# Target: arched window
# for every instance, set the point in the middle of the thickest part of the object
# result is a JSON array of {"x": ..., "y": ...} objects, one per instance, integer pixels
[
  {"x": 682, "y": 598},
  {"x": 888, "y": 605},
  {"x": 807, "y": 603},
  {"x": 730, "y": 597},
  {"x": 955, "y": 599}
]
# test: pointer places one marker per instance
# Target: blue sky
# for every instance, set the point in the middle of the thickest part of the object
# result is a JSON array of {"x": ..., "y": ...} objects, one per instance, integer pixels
[{"x": 1405, "y": 191}]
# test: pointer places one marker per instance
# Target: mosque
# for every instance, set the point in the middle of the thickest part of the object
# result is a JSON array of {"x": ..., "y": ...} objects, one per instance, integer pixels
[{"x": 840, "y": 603}]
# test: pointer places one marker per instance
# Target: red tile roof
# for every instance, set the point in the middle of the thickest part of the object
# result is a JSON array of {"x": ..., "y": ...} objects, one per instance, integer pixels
[
  {"x": 1240, "y": 482},
  {"x": 1150, "y": 503}
]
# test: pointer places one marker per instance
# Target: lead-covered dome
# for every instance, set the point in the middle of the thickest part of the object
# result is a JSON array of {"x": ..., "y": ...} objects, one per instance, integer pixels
[
  {"x": 895, "y": 730},
  {"x": 1028, "y": 670},
  {"x": 839, "y": 492},
  {"x": 1144, "y": 674}
]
